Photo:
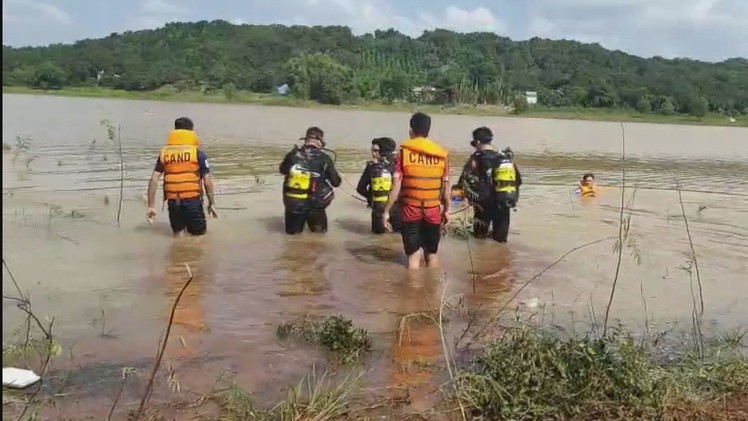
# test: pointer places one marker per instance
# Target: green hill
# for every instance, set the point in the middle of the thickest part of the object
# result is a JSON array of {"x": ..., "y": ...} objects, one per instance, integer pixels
[{"x": 331, "y": 65}]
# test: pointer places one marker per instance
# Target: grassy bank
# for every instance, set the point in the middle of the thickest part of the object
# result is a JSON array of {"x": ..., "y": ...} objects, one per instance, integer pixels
[
  {"x": 529, "y": 373},
  {"x": 241, "y": 97}
]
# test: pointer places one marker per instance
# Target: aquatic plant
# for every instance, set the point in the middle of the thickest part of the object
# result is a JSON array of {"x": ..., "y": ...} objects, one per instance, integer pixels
[
  {"x": 315, "y": 398},
  {"x": 531, "y": 373},
  {"x": 115, "y": 134},
  {"x": 335, "y": 334},
  {"x": 28, "y": 346}
]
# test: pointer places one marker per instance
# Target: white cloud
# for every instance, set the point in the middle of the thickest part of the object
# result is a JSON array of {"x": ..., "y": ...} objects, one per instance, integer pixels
[
  {"x": 155, "y": 13},
  {"x": 238, "y": 21},
  {"x": 159, "y": 7},
  {"x": 30, "y": 11},
  {"x": 467, "y": 20},
  {"x": 369, "y": 15},
  {"x": 456, "y": 19},
  {"x": 711, "y": 29}
]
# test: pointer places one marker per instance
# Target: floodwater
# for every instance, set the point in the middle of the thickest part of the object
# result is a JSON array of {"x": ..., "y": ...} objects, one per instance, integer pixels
[{"x": 110, "y": 288}]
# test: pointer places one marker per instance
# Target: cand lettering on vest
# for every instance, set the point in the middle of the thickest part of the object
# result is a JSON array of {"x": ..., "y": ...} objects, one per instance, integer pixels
[
  {"x": 421, "y": 159},
  {"x": 181, "y": 172},
  {"x": 177, "y": 158}
]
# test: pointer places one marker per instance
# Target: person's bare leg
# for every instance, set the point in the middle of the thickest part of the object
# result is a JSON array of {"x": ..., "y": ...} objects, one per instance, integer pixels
[
  {"x": 414, "y": 260},
  {"x": 432, "y": 261}
]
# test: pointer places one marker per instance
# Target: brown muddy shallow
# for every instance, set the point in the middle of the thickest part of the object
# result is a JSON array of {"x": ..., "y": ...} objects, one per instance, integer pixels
[{"x": 110, "y": 289}]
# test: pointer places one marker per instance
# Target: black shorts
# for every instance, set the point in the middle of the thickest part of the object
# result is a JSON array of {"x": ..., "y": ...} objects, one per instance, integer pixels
[
  {"x": 421, "y": 234},
  {"x": 187, "y": 214},
  {"x": 296, "y": 218}
]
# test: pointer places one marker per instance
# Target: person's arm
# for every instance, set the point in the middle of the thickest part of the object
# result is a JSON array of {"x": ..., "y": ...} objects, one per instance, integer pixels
[
  {"x": 446, "y": 195},
  {"x": 152, "y": 187},
  {"x": 469, "y": 168},
  {"x": 207, "y": 179},
  {"x": 364, "y": 182},
  {"x": 150, "y": 213},
  {"x": 332, "y": 173},
  {"x": 285, "y": 165},
  {"x": 519, "y": 176},
  {"x": 158, "y": 170},
  {"x": 397, "y": 184}
]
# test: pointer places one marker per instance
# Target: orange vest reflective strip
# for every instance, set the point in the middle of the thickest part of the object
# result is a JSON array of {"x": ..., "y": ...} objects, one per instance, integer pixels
[
  {"x": 422, "y": 178},
  {"x": 181, "y": 172}
]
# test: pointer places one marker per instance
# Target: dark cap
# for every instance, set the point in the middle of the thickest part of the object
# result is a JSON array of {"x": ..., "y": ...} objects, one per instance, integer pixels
[
  {"x": 483, "y": 135},
  {"x": 386, "y": 145},
  {"x": 314, "y": 132}
]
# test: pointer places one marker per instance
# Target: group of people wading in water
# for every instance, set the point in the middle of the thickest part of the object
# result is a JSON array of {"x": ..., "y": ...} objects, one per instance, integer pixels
[{"x": 407, "y": 189}]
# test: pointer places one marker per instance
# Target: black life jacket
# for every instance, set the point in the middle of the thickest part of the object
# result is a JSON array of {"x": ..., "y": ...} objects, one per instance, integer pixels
[
  {"x": 505, "y": 182},
  {"x": 487, "y": 162},
  {"x": 306, "y": 177},
  {"x": 381, "y": 179}
]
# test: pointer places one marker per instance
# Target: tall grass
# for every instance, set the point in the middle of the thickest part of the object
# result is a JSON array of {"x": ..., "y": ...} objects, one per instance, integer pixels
[{"x": 531, "y": 373}]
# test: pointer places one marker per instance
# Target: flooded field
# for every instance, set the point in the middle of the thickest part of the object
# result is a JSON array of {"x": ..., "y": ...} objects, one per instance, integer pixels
[{"x": 110, "y": 288}]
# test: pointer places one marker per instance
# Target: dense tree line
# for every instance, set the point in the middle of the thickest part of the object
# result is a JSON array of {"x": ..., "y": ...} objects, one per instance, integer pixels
[{"x": 331, "y": 65}]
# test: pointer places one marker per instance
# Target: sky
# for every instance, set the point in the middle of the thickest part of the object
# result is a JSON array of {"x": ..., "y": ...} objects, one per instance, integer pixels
[{"x": 710, "y": 30}]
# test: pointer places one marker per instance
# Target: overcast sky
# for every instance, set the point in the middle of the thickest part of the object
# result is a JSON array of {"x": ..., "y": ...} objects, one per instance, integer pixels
[{"x": 705, "y": 29}]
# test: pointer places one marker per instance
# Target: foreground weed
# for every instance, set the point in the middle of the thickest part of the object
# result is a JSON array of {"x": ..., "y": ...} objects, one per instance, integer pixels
[
  {"x": 532, "y": 374},
  {"x": 335, "y": 334},
  {"x": 314, "y": 399},
  {"x": 238, "y": 405}
]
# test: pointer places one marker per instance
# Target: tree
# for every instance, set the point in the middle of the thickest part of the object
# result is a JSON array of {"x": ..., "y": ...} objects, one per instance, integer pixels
[
  {"x": 698, "y": 106},
  {"x": 520, "y": 104},
  {"x": 394, "y": 86},
  {"x": 48, "y": 76},
  {"x": 477, "y": 68},
  {"x": 666, "y": 107},
  {"x": 319, "y": 77},
  {"x": 644, "y": 106}
]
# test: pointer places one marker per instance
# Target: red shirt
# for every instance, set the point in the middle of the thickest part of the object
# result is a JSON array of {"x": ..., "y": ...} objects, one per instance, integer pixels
[{"x": 410, "y": 213}]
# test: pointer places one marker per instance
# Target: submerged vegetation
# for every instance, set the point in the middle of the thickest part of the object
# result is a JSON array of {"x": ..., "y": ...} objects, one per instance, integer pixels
[
  {"x": 332, "y": 66},
  {"x": 335, "y": 334}
]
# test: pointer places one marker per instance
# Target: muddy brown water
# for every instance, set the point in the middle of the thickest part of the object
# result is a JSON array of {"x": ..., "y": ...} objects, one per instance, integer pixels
[{"x": 110, "y": 289}]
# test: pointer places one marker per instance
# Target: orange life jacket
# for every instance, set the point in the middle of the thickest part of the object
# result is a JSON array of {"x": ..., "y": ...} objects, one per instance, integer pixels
[
  {"x": 181, "y": 166},
  {"x": 183, "y": 137},
  {"x": 424, "y": 165},
  {"x": 586, "y": 191}
]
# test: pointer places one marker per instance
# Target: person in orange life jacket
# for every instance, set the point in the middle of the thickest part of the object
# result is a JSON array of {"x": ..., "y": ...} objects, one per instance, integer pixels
[
  {"x": 186, "y": 170},
  {"x": 310, "y": 176},
  {"x": 376, "y": 182},
  {"x": 492, "y": 180},
  {"x": 587, "y": 186},
  {"x": 421, "y": 187}
]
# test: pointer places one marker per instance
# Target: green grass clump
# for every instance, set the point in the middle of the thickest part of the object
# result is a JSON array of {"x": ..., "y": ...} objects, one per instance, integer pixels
[
  {"x": 315, "y": 398},
  {"x": 531, "y": 374},
  {"x": 335, "y": 334}
]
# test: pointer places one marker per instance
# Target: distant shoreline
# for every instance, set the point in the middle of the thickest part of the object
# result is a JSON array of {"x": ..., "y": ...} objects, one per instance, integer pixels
[{"x": 218, "y": 97}]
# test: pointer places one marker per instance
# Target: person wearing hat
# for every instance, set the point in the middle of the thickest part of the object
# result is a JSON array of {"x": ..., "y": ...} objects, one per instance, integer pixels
[
  {"x": 490, "y": 180},
  {"x": 376, "y": 182},
  {"x": 310, "y": 176},
  {"x": 186, "y": 175}
]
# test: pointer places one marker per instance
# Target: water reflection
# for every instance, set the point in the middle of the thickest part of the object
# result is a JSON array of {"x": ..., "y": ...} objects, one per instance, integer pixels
[
  {"x": 416, "y": 348},
  {"x": 261, "y": 275},
  {"x": 189, "y": 317},
  {"x": 304, "y": 259}
]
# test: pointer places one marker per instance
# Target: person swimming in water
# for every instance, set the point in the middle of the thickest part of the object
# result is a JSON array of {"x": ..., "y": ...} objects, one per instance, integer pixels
[{"x": 587, "y": 186}]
